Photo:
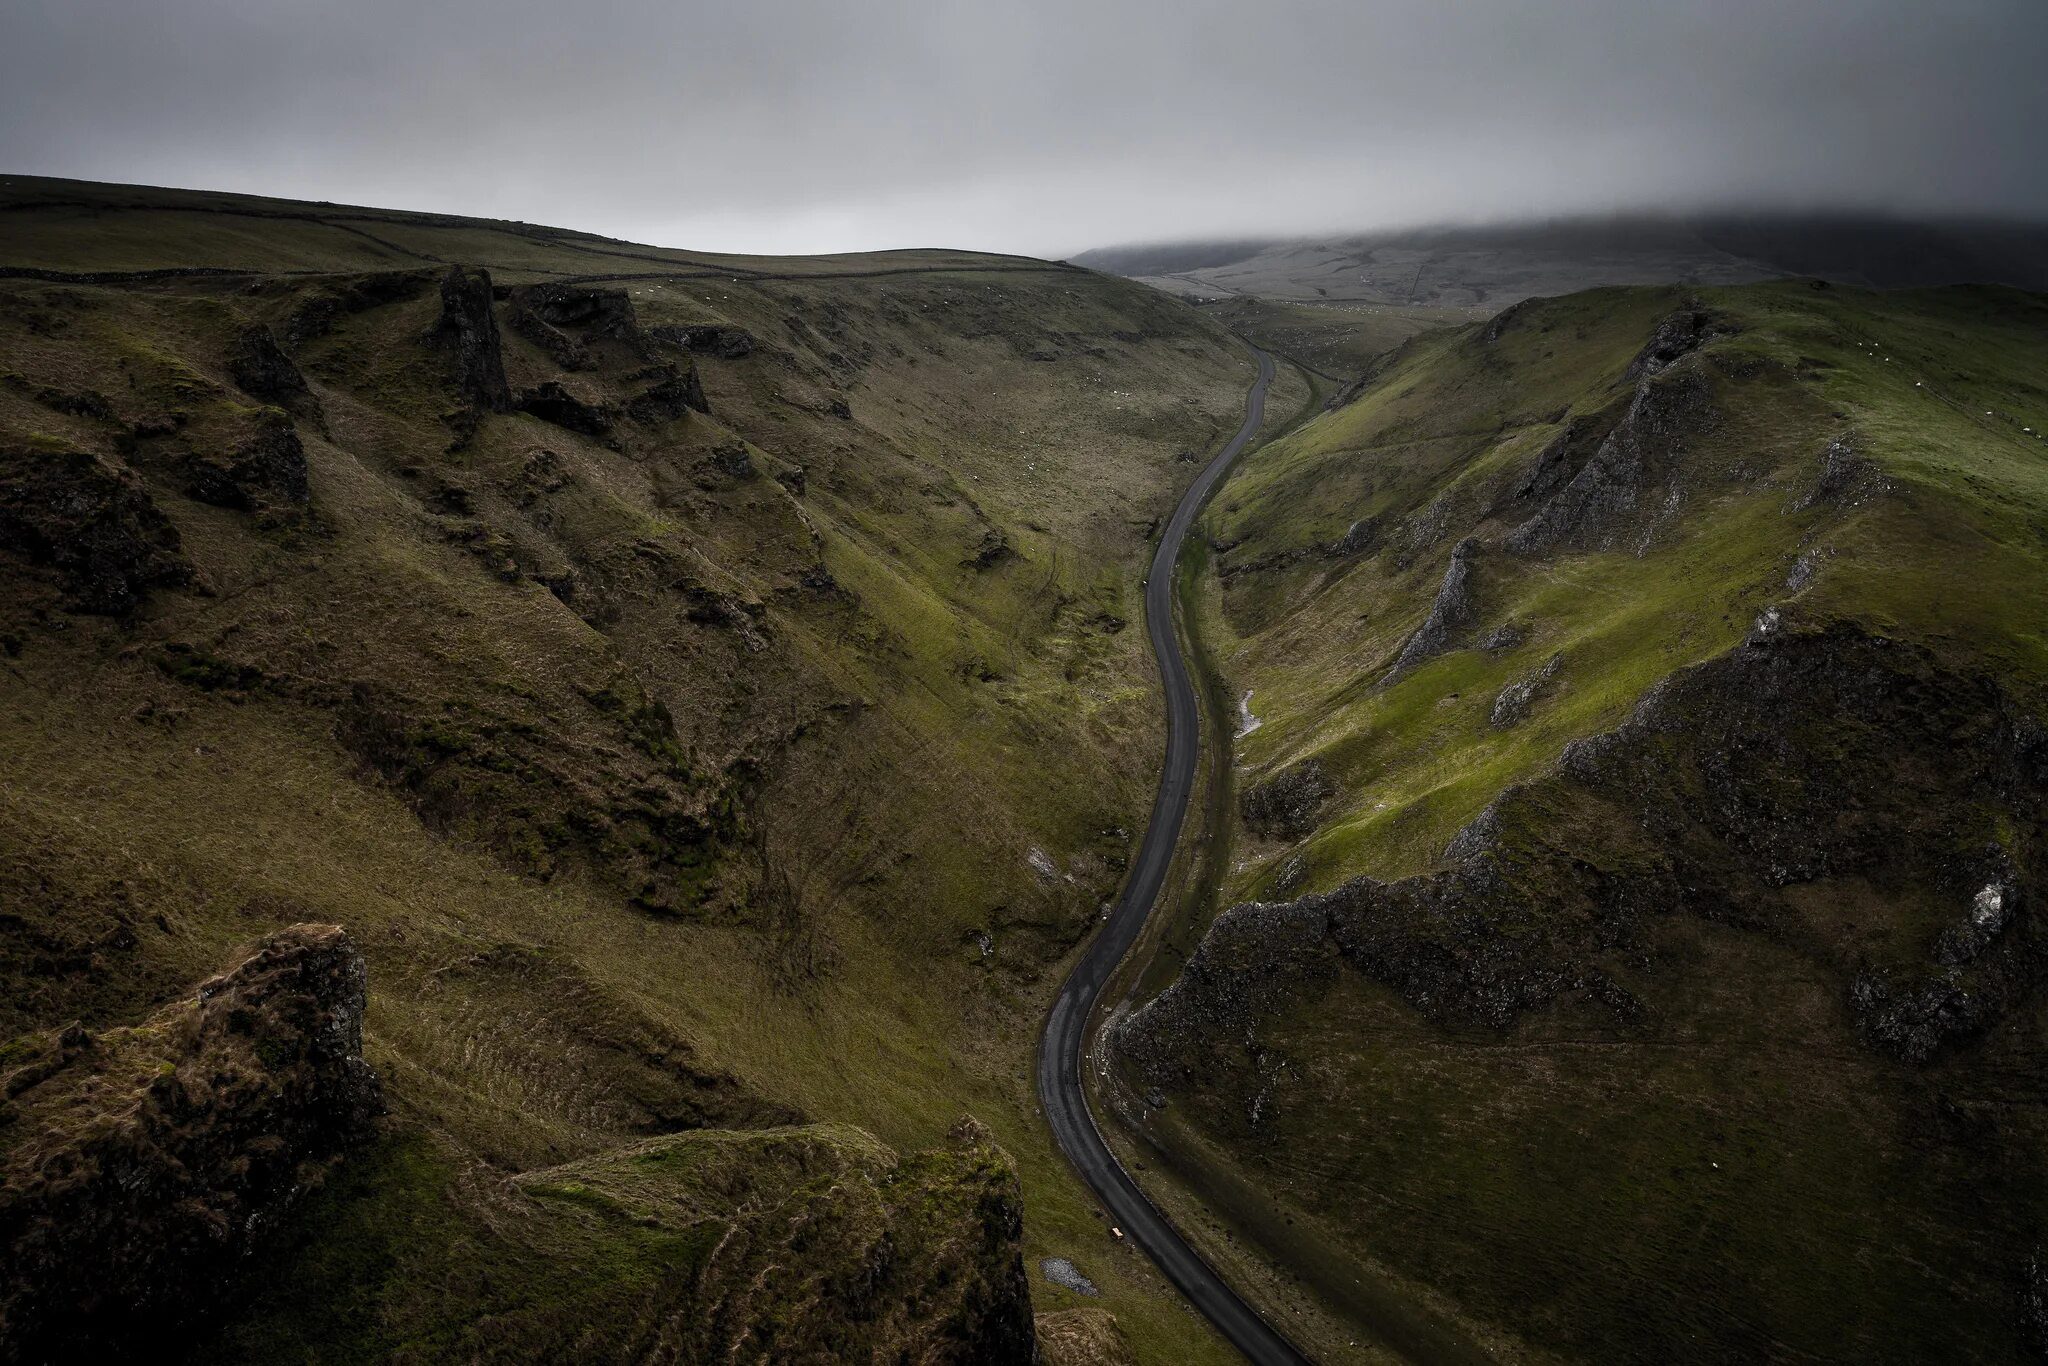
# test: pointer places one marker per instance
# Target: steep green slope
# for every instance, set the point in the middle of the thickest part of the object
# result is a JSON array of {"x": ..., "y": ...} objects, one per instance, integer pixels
[
  {"x": 1650, "y": 689},
  {"x": 703, "y": 688}
]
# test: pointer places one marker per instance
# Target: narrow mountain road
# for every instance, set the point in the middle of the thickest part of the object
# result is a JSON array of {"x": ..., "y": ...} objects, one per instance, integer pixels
[{"x": 1066, "y": 1031}]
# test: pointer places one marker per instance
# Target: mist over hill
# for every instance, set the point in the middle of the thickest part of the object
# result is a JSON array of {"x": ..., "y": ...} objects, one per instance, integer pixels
[{"x": 1494, "y": 265}]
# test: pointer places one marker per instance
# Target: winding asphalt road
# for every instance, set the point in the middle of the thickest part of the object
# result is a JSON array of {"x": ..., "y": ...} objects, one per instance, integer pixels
[{"x": 1066, "y": 1031}]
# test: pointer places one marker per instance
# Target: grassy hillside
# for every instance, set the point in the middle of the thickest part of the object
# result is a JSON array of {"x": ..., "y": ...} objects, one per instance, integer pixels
[
  {"x": 1643, "y": 826},
  {"x": 706, "y": 688}
]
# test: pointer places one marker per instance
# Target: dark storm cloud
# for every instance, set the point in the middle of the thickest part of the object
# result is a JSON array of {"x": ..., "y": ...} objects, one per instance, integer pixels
[{"x": 1049, "y": 127}]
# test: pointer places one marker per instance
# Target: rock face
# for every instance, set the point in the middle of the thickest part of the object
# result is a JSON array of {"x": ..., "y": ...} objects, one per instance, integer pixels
[
  {"x": 1824, "y": 759},
  {"x": 552, "y": 402},
  {"x": 1602, "y": 499},
  {"x": 146, "y": 1166},
  {"x": 1562, "y": 458},
  {"x": 716, "y": 339},
  {"x": 1678, "y": 335},
  {"x": 92, "y": 525},
  {"x": 262, "y": 369},
  {"x": 467, "y": 333},
  {"x": 563, "y": 320},
  {"x": 267, "y": 471},
  {"x": 1285, "y": 805},
  {"x": 1451, "y": 613},
  {"x": 1846, "y": 478},
  {"x": 671, "y": 393},
  {"x": 1516, "y": 698}
]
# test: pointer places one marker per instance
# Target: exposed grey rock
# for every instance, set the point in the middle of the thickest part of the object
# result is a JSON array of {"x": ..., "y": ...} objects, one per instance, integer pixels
[
  {"x": 164, "y": 1160},
  {"x": 1285, "y": 805},
  {"x": 1450, "y": 613},
  {"x": 744, "y": 617},
  {"x": 1846, "y": 478},
  {"x": 732, "y": 459},
  {"x": 1676, "y": 336},
  {"x": 1806, "y": 568},
  {"x": 1067, "y": 1276},
  {"x": 1505, "y": 636},
  {"x": 1560, "y": 459},
  {"x": 562, "y": 319},
  {"x": 1359, "y": 538},
  {"x": 338, "y": 297},
  {"x": 1426, "y": 528},
  {"x": 267, "y": 471},
  {"x": 1799, "y": 758},
  {"x": 1589, "y": 512},
  {"x": 1515, "y": 699},
  {"x": 1991, "y": 910}
]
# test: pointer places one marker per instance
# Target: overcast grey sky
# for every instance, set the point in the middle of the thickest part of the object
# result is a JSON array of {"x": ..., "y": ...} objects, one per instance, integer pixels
[{"x": 1042, "y": 126}]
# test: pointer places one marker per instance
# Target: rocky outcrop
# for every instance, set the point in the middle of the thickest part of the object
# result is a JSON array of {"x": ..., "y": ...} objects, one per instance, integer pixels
[
  {"x": 564, "y": 320},
  {"x": 1360, "y": 537},
  {"x": 144, "y": 1167},
  {"x": 1676, "y": 336},
  {"x": 1561, "y": 459},
  {"x": 1799, "y": 759},
  {"x": 466, "y": 333},
  {"x": 671, "y": 392},
  {"x": 1451, "y": 612},
  {"x": 90, "y": 524},
  {"x": 719, "y": 340},
  {"x": 1846, "y": 478},
  {"x": 266, "y": 471},
  {"x": 551, "y": 401},
  {"x": 262, "y": 369},
  {"x": 1603, "y": 499},
  {"x": 993, "y": 549},
  {"x": 1285, "y": 806},
  {"x": 1516, "y": 698}
]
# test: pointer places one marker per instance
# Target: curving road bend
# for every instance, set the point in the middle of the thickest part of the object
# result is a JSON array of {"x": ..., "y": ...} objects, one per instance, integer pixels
[{"x": 1066, "y": 1030}]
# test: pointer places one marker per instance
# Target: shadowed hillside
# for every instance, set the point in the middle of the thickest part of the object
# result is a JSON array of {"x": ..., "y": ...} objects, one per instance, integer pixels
[{"x": 704, "y": 690}]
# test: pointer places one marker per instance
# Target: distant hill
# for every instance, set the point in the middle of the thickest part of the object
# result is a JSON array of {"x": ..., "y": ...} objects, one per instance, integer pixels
[{"x": 1498, "y": 265}]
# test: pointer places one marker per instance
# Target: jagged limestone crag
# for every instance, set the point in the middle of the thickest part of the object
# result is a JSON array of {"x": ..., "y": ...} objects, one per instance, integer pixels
[
  {"x": 1802, "y": 759},
  {"x": 1452, "y": 612},
  {"x": 144, "y": 1167},
  {"x": 565, "y": 320},
  {"x": 467, "y": 333},
  {"x": 1617, "y": 481},
  {"x": 1513, "y": 702}
]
